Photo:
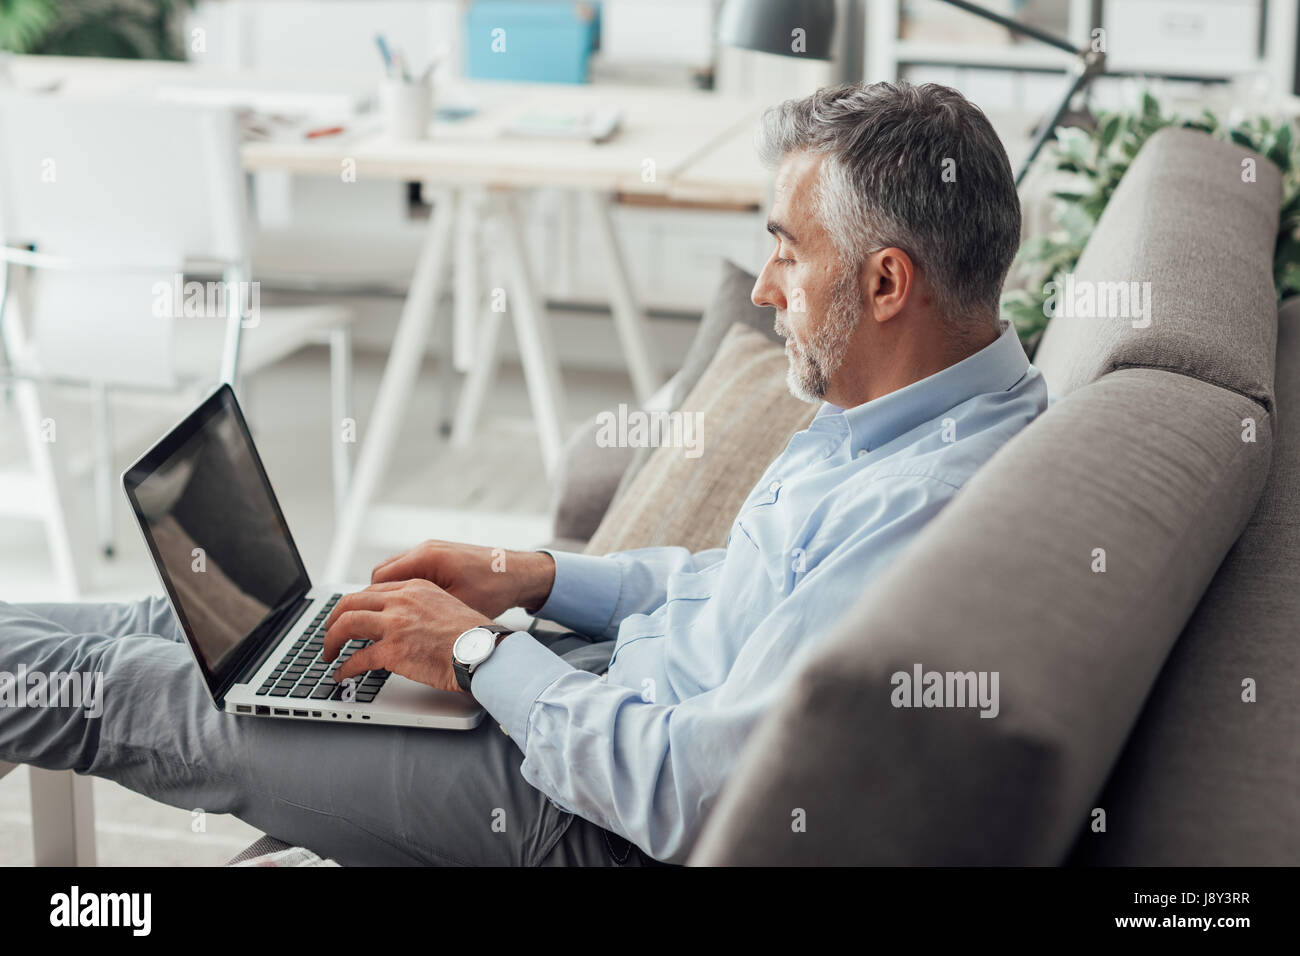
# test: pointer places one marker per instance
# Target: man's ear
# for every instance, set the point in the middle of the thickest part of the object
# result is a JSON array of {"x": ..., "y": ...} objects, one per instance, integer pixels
[{"x": 888, "y": 279}]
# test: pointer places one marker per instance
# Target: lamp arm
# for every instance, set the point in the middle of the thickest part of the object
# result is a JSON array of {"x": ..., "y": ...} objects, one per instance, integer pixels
[
  {"x": 1015, "y": 26},
  {"x": 1079, "y": 80},
  {"x": 1090, "y": 64}
]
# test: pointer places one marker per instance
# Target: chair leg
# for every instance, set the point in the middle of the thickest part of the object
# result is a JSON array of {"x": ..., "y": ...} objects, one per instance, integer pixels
[
  {"x": 446, "y": 383},
  {"x": 102, "y": 425},
  {"x": 63, "y": 818},
  {"x": 343, "y": 426}
]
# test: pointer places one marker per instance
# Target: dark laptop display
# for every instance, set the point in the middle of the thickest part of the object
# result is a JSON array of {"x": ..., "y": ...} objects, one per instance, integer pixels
[{"x": 218, "y": 536}]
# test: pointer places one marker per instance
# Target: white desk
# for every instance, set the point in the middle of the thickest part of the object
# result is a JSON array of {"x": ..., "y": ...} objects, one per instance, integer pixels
[{"x": 664, "y": 133}]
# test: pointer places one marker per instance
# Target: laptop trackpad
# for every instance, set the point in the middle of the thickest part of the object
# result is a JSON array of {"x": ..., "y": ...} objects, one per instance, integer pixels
[{"x": 408, "y": 696}]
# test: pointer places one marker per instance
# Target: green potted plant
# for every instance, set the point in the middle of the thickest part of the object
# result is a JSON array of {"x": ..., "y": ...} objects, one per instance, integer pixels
[
  {"x": 134, "y": 29},
  {"x": 1096, "y": 160}
]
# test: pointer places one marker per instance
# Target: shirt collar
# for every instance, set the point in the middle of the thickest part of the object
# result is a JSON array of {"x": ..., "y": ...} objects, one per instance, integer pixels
[{"x": 994, "y": 368}]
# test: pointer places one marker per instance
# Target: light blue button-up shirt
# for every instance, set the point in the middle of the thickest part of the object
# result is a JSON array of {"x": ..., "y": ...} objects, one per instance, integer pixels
[{"x": 705, "y": 643}]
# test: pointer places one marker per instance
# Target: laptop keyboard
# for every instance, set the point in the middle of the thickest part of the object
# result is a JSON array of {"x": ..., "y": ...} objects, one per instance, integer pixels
[{"x": 302, "y": 674}]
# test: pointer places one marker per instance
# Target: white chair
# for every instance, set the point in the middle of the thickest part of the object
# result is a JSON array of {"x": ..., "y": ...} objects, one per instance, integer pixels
[{"x": 108, "y": 209}]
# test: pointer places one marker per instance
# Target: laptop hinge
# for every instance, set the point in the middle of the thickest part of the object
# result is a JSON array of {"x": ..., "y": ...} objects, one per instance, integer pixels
[{"x": 288, "y": 618}]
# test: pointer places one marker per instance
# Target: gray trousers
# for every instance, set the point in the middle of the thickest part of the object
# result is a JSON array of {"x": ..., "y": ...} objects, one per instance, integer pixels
[{"x": 362, "y": 795}]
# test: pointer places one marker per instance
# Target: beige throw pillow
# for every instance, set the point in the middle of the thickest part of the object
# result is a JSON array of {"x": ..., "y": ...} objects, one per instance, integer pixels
[{"x": 743, "y": 417}]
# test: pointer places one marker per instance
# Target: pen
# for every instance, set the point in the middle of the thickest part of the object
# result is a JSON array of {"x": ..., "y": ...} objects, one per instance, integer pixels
[{"x": 383, "y": 51}]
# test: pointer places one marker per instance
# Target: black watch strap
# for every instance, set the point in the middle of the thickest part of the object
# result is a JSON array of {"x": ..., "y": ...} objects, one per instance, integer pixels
[{"x": 463, "y": 674}]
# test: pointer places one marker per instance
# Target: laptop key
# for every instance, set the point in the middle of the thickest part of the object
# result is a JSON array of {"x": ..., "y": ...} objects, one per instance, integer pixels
[
  {"x": 301, "y": 691},
  {"x": 279, "y": 691},
  {"x": 322, "y": 693}
]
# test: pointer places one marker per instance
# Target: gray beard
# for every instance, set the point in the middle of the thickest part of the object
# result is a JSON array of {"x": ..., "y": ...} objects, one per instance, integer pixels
[{"x": 814, "y": 365}]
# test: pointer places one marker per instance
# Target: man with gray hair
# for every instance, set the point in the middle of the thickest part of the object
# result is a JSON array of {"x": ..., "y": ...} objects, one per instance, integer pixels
[{"x": 895, "y": 220}]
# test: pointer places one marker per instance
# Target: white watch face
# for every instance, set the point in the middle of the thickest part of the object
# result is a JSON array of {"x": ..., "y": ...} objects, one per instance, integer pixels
[{"x": 475, "y": 646}]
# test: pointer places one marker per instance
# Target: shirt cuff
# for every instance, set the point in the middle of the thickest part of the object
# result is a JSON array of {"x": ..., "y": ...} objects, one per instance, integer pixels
[
  {"x": 509, "y": 682},
  {"x": 585, "y": 593}
]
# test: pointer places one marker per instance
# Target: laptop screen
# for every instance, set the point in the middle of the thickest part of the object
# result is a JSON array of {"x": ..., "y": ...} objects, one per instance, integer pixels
[{"x": 217, "y": 534}]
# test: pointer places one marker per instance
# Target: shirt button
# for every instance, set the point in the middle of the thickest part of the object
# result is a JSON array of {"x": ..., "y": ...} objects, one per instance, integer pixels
[
  {"x": 862, "y": 453},
  {"x": 774, "y": 487},
  {"x": 502, "y": 728}
]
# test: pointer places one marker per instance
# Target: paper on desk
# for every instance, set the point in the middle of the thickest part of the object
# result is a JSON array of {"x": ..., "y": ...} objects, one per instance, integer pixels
[{"x": 594, "y": 125}]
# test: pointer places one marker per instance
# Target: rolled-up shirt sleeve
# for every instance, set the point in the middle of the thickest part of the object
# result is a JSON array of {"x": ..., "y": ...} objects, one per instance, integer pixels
[{"x": 592, "y": 594}]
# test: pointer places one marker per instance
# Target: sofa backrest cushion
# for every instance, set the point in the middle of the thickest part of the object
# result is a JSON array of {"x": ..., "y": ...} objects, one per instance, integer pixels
[
  {"x": 1187, "y": 219},
  {"x": 1210, "y": 777},
  {"x": 740, "y": 416},
  {"x": 730, "y": 305}
]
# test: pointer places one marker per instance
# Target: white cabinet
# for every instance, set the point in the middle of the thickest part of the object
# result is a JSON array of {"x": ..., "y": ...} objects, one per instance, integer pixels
[
  {"x": 674, "y": 254},
  {"x": 1183, "y": 36}
]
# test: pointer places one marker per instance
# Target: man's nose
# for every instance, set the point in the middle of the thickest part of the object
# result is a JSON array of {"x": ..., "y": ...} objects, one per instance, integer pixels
[{"x": 766, "y": 293}]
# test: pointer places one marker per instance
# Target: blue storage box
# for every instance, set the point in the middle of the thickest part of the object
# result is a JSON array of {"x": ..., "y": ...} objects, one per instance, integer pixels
[{"x": 544, "y": 40}]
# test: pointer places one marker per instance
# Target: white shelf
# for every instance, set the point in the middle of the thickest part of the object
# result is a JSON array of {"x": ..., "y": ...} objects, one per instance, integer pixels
[
  {"x": 1013, "y": 56},
  {"x": 887, "y": 54}
]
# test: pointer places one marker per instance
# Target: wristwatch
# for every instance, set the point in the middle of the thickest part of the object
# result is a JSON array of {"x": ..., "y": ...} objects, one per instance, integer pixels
[{"x": 474, "y": 647}]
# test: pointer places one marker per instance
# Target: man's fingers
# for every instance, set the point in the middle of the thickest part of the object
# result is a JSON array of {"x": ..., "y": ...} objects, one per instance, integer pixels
[
  {"x": 366, "y": 659},
  {"x": 365, "y": 600},
  {"x": 402, "y": 567},
  {"x": 396, "y": 568},
  {"x": 352, "y": 626}
]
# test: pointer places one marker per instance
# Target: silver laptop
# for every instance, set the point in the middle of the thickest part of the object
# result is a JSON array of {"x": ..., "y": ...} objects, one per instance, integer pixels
[{"x": 251, "y": 615}]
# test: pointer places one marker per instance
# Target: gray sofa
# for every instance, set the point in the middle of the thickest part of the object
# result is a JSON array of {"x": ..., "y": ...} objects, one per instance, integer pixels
[
  {"x": 1121, "y": 691},
  {"x": 1123, "y": 737}
]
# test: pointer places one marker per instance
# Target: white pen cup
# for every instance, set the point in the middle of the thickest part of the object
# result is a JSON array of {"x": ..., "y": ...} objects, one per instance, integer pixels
[{"x": 407, "y": 108}]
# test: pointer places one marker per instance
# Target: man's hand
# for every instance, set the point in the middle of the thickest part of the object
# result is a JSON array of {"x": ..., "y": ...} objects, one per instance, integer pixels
[
  {"x": 413, "y": 624},
  {"x": 489, "y": 580}
]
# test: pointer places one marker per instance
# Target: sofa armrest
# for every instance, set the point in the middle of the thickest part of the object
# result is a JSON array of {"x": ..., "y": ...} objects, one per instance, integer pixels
[{"x": 585, "y": 483}]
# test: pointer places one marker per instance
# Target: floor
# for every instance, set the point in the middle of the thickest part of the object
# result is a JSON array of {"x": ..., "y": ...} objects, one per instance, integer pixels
[{"x": 500, "y": 472}]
